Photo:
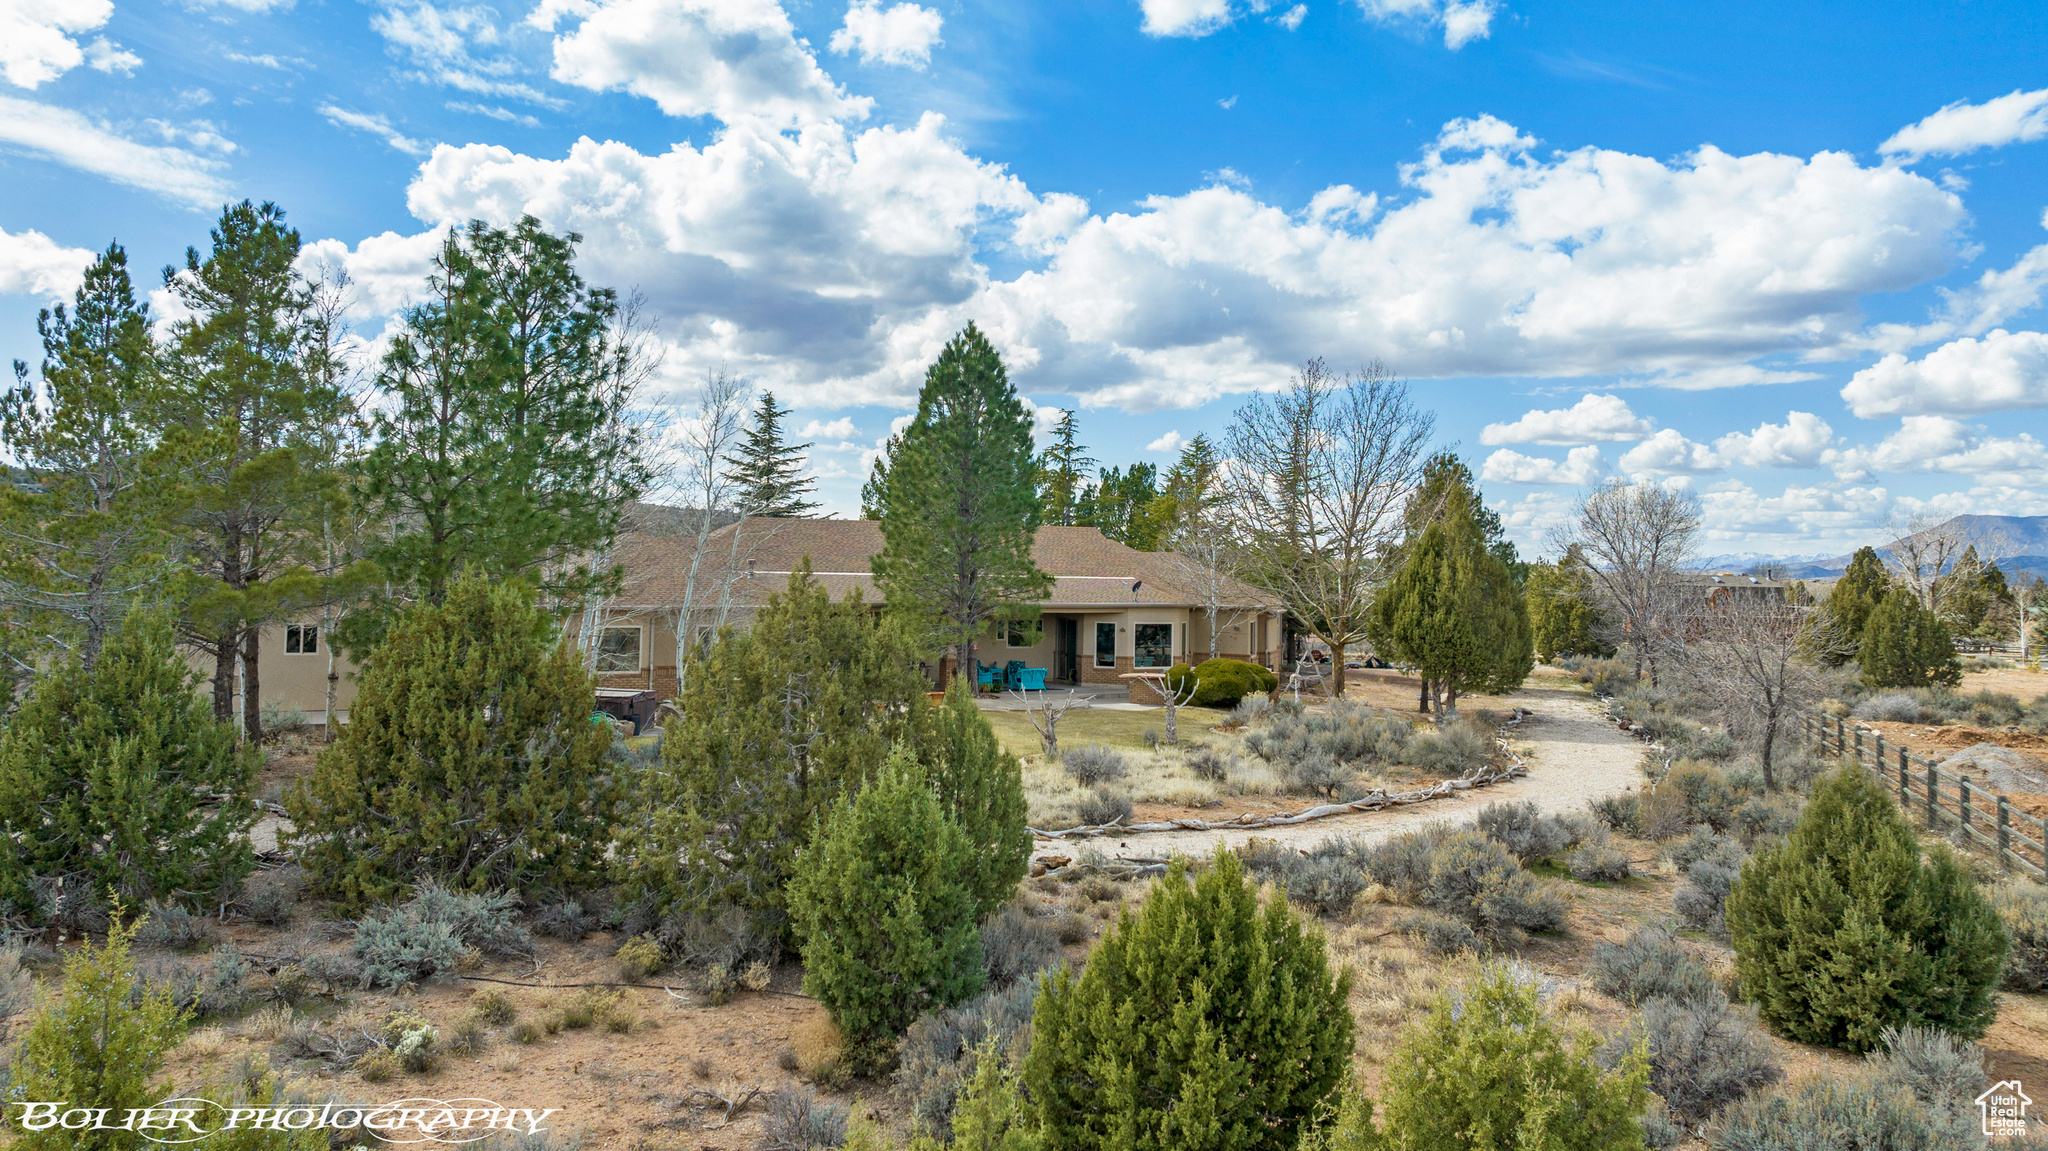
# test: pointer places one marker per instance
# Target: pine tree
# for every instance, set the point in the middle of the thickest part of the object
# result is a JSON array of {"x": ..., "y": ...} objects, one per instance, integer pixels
[
  {"x": 981, "y": 786},
  {"x": 1847, "y": 612},
  {"x": 469, "y": 757},
  {"x": 1489, "y": 1068},
  {"x": 85, "y": 536},
  {"x": 254, "y": 399},
  {"x": 118, "y": 777},
  {"x": 504, "y": 449},
  {"x": 1454, "y": 611},
  {"x": 1564, "y": 618},
  {"x": 777, "y": 722},
  {"x": 1842, "y": 930},
  {"x": 1122, "y": 506},
  {"x": 98, "y": 1045},
  {"x": 1205, "y": 1021},
  {"x": 1905, "y": 645},
  {"x": 883, "y": 906},
  {"x": 1062, "y": 471},
  {"x": 767, "y": 473},
  {"x": 959, "y": 501}
]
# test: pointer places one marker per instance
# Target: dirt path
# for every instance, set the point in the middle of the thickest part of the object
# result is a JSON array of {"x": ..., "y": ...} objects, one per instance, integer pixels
[{"x": 1577, "y": 756}]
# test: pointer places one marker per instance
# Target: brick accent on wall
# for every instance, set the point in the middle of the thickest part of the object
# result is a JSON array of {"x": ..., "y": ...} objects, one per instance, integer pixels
[{"x": 664, "y": 681}]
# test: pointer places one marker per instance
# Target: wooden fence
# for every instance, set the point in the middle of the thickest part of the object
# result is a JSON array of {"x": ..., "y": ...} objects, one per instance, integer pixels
[{"x": 1938, "y": 800}]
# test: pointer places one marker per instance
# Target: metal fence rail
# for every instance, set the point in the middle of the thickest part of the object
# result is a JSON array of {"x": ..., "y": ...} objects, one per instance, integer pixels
[{"x": 1941, "y": 801}]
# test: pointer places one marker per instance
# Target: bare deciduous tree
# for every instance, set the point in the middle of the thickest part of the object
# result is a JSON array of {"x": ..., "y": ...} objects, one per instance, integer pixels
[
  {"x": 1924, "y": 550},
  {"x": 1202, "y": 560},
  {"x": 1313, "y": 491},
  {"x": 1634, "y": 539},
  {"x": 1754, "y": 651}
]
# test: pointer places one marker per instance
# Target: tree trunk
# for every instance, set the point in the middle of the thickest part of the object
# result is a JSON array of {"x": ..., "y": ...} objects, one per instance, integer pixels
[
  {"x": 225, "y": 649},
  {"x": 252, "y": 688},
  {"x": 1422, "y": 694},
  {"x": 1336, "y": 672},
  {"x": 1450, "y": 708},
  {"x": 1770, "y": 737}
]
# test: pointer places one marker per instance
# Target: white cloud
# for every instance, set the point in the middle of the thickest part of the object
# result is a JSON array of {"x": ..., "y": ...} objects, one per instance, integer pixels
[
  {"x": 901, "y": 34},
  {"x": 1185, "y": 17},
  {"x": 1463, "y": 21},
  {"x": 1724, "y": 376},
  {"x": 839, "y": 429},
  {"x": 1581, "y": 466},
  {"x": 34, "y": 264},
  {"x": 1170, "y": 442},
  {"x": 1804, "y": 516},
  {"x": 1800, "y": 442},
  {"x": 1963, "y": 127},
  {"x": 2000, "y": 372},
  {"x": 1998, "y": 295},
  {"x": 1943, "y": 444},
  {"x": 376, "y": 126},
  {"x": 1594, "y": 419},
  {"x": 1292, "y": 18},
  {"x": 494, "y": 112},
  {"x": 64, "y": 136},
  {"x": 456, "y": 46},
  {"x": 1670, "y": 454},
  {"x": 386, "y": 272},
  {"x": 1227, "y": 103},
  {"x": 36, "y": 44},
  {"x": 731, "y": 59},
  {"x": 204, "y": 134},
  {"x": 251, "y": 6}
]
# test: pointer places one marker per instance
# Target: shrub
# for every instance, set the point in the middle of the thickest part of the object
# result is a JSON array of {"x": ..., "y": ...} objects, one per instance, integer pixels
[
  {"x": 1440, "y": 934},
  {"x": 1765, "y": 817},
  {"x": 494, "y": 1008},
  {"x": 1906, "y": 645},
  {"x": 638, "y": 958},
  {"x": 981, "y": 787},
  {"x": 1248, "y": 711},
  {"x": 428, "y": 781},
  {"x": 1895, "y": 707},
  {"x": 482, "y": 921},
  {"x": 1600, "y": 861},
  {"x": 1839, "y": 1112},
  {"x": 1317, "y": 772},
  {"x": 1651, "y": 964},
  {"x": 1350, "y": 733},
  {"x": 1208, "y": 763},
  {"x": 1618, "y": 812},
  {"x": 1703, "y": 1054},
  {"x": 1489, "y": 1059},
  {"x": 1464, "y": 874},
  {"x": 566, "y": 917},
  {"x": 798, "y": 1120},
  {"x": 940, "y": 1053},
  {"x": 1939, "y": 1071},
  {"x": 1705, "y": 791},
  {"x": 269, "y": 897},
  {"x": 1457, "y": 750},
  {"x": 396, "y": 948},
  {"x": 1102, "y": 807},
  {"x": 526, "y": 1032},
  {"x": 98, "y": 1045},
  {"x": 1094, "y": 764},
  {"x": 1158, "y": 1044},
  {"x": 1016, "y": 946},
  {"x": 1718, "y": 747},
  {"x": 376, "y": 1066},
  {"x": 1327, "y": 878},
  {"x": 2024, "y": 908},
  {"x": 169, "y": 927},
  {"x": 1528, "y": 834},
  {"x": 882, "y": 909},
  {"x": 1223, "y": 681},
  {"x": 1843, "y": 930},
  {"x": 118, "y": 777}
]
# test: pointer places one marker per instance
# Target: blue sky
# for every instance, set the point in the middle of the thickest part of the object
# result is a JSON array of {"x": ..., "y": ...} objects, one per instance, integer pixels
[{"x": 1789, "y": 255}]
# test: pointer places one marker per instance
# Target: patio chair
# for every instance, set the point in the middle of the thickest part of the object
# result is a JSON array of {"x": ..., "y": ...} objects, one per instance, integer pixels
[
  {"x": 1011, "y": 672},
  {"x": 1031, "y": 679}
]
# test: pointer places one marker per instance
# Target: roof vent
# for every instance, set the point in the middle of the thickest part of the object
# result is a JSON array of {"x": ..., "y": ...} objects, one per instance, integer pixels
[
  {"x": 1752, "y": 579},
  {"x": 1717, "y": 579}
]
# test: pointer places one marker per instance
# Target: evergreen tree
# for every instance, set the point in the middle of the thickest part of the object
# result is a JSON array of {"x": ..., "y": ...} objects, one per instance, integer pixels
[
  {"x": 504, "y": 448},
  {"x": 469, "y": 757},
  {"x": 959, "y": 501},
  {"x": 255, "y": 372},
  {"x": 1454, "y": 611},
  {"x": 1847, "y": 611},
  {"x": 84, "y": 534},
  {"x": 116, "y": 776},
  {"x": 981, "y": 786},
  {"x": 883, "y": 906},
  {"x": 1564, "y": 616},
  {"x": 1973, "y": 597},
  {"x": 1121, "y": 506},
  {"x": 777, "y": 721},
  {"x": 1443, "y": 474},
  {"x": 1489, "y": 1068},
  {"x": 1842, "y": 930},
  {"x": 100, "y": 1044},
  {"x": 1905, "y": 645},
  {"x": 1205, "y": 1021},
  {"x": 769, "y": 474},
  {"x": 1062, "y": 472}
]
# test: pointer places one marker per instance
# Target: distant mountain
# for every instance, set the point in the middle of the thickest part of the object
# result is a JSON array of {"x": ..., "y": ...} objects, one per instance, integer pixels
[{"x": 2018, "y": 544}]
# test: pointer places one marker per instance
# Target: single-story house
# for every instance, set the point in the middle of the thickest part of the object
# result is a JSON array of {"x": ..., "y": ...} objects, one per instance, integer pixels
[{"x": 1113, "y": 609}]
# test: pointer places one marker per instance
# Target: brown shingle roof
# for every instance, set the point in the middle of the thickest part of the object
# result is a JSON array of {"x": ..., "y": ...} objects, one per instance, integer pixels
[{"x": 1088, "y": 568}]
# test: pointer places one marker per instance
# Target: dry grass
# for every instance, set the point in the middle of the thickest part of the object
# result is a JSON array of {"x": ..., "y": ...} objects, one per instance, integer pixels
[
  {"x": 205, "y": 1043},
  {"x": 1120, "y": 729},
  {"x": 816, "y": 1043}
]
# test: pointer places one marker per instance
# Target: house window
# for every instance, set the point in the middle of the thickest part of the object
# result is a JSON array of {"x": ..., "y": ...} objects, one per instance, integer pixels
[
  {"x": 618, "y": 649},
  {"x": 301, "y": 638},
  {"x": 1153, "y": 646},
  {"x": 1105, "y": 645},
  {"x": 1021, "y": 633}
]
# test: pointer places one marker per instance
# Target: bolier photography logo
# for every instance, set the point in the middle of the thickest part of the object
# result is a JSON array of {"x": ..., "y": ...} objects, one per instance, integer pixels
[
  {"x": 2004, "y": 1108},
  {"x": 191, "y": 1120}
]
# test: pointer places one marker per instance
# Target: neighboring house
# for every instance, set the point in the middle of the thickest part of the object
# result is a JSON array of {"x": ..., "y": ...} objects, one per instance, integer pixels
[{"x": 1113, "y": 609}]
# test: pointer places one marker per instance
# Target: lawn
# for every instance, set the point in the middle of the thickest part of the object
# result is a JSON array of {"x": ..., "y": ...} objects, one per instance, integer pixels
[{"x": 1116, "y": 728}]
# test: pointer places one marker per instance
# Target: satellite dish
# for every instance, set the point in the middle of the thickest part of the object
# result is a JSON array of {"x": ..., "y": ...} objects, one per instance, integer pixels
[{"x": 1135, "y": 585}]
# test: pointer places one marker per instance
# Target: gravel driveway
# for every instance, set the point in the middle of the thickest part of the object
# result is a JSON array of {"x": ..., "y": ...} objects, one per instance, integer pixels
[{"x": 1578, "y": 755}]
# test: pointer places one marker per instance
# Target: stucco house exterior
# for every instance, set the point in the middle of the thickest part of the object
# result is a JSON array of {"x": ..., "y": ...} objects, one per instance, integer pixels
[{"x": 1113, "y": 609}]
